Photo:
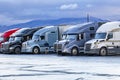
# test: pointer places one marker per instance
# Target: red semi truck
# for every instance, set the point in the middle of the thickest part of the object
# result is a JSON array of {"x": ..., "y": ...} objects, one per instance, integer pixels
[{"x": 6, "y": 35}]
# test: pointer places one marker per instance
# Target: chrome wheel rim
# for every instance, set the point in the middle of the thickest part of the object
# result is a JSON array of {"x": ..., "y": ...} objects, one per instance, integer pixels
[
  {"x": 36, "y": 50},
  {"x": 74, "y": 51},
  {"x": 17, "y": 50},
  {"x": 103, "y": 52}
]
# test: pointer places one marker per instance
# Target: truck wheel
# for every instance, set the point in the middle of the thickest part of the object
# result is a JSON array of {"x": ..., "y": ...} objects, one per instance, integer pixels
[
  {"x": 36, "y": 50},
  {"x": 59, "y": 53},
  {"x": 103, "y": 52},
  {"x": 74, "y": 51},
  {"x": 17, "y": 50}
]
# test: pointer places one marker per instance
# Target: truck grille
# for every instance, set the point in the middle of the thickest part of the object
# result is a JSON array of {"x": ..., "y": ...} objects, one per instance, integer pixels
[
  {"x": 5, "y": 46},
  {"x": 57, "y": 46},
  {"x": 87, "y": 47}
]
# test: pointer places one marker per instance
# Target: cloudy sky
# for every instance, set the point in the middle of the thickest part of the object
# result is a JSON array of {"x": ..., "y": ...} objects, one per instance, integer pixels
[{"x": 18, "y": 11}]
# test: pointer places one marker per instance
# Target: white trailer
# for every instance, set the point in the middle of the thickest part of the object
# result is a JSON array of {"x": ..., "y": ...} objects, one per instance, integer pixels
[{"x": 107, "y": 40}]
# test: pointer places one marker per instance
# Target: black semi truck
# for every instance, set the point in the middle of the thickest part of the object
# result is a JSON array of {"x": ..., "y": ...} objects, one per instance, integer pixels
[{"x": 15, "y": 42}]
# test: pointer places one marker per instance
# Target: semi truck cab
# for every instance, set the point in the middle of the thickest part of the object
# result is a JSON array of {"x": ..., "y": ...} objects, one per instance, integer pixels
[
  {"x": 74, "y": 39},
  {"x": 15, "y": 42},
  {"x": 42, "y": 40},
  {"x": 69, "y": 42},
  {"x": 106, "y": 41},
  {"x": 6, "y": 35}
]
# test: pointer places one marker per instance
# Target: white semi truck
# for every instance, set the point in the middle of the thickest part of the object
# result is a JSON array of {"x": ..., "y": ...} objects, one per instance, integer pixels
[
  {"x": 43, "y": 39},
  {"x": 107, "y": 40}
]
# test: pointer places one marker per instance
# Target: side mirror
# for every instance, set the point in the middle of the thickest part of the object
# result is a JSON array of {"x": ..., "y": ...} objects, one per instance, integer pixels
[
  {"x": 78, "y": 38},
  {"x": 36, "y": 40},
  {"x": 22, "y": 39},
  {"x": 108, "y": 38}
]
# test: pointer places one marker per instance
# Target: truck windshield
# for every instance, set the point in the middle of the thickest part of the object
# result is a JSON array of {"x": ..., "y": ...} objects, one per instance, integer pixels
[
  {"x": 15, "y": 38},
  {"x": 100, "y": 36},
  {"x": 18, "y": 38},
  {"x": 70, "y": 37},
  {"x": 35, "y": 37}
]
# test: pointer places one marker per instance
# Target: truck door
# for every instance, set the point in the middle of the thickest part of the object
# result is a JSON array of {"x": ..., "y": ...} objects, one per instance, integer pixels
[
  {"x": 51, "y": 37},
  {"x": 80, "y": 40},
  {"x": 110, "y": 42},
  {"x": 117, "y": 42}
]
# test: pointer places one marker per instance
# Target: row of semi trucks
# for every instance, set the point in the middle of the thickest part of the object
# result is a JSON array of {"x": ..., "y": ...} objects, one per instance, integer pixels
[{"x": 101, "y": 38}]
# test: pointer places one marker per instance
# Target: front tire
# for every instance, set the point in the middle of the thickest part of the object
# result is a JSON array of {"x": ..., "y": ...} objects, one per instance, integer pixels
[
  {"x": 74, "y": 51},
  {"x": 103, "y": 52},
  {"x": 36, "y": 50},
  {"x": 17, "y": 50},
  {"x": 59, "y": 53}
]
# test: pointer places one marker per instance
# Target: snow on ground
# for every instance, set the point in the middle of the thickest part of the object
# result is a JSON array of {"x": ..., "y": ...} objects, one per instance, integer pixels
[{"x": 52, "y": 67}]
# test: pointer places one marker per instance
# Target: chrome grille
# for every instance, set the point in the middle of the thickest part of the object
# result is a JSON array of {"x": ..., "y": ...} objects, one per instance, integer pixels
[
  {"x": 5, "y": 46},
  {"x": 55, "y": 47},
  {"x": 87, "y": 47},
  {"x": 59, "y": 46}
]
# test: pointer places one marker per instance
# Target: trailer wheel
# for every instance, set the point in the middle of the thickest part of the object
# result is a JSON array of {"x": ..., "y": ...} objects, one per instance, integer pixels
[
  {"x": 103, "y": 51},
  {"x": 36, "y": 50},
  {"x": 17, "y": 50},
  {"x": 74, "y": 51}
]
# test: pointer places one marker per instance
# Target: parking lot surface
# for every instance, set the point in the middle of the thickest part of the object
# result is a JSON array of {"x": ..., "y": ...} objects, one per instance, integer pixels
[{"x": 53, "y": 67}]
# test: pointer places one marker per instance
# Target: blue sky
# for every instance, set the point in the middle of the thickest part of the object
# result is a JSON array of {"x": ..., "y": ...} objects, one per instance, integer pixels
[{"x": 18, "y": 11}]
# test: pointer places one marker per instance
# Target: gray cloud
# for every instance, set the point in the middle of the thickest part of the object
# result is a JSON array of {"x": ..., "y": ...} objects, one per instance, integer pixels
[{"x": 15, "y": 11}]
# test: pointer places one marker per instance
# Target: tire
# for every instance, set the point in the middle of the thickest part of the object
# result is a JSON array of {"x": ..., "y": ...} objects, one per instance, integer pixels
[
  {"x": 59, "y": 53},
  {"x": 74, "y": 51},
  {"x": 103, "y": 52},
  {"x": 36, "y": 50},
  {"x": 17, "y": 50}
]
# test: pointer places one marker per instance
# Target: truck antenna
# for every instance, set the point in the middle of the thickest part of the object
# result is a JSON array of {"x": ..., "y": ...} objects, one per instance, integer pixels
[{"x": 88, "y": 18}]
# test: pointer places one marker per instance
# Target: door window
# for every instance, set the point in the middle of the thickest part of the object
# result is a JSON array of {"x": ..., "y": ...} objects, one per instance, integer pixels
[{"x": 110, "y": 35}]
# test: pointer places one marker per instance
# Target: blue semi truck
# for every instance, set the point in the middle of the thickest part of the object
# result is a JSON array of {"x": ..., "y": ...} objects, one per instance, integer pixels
[
  {"x": 74, "y": 38},
  {"x": 43, "y": 40}
]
